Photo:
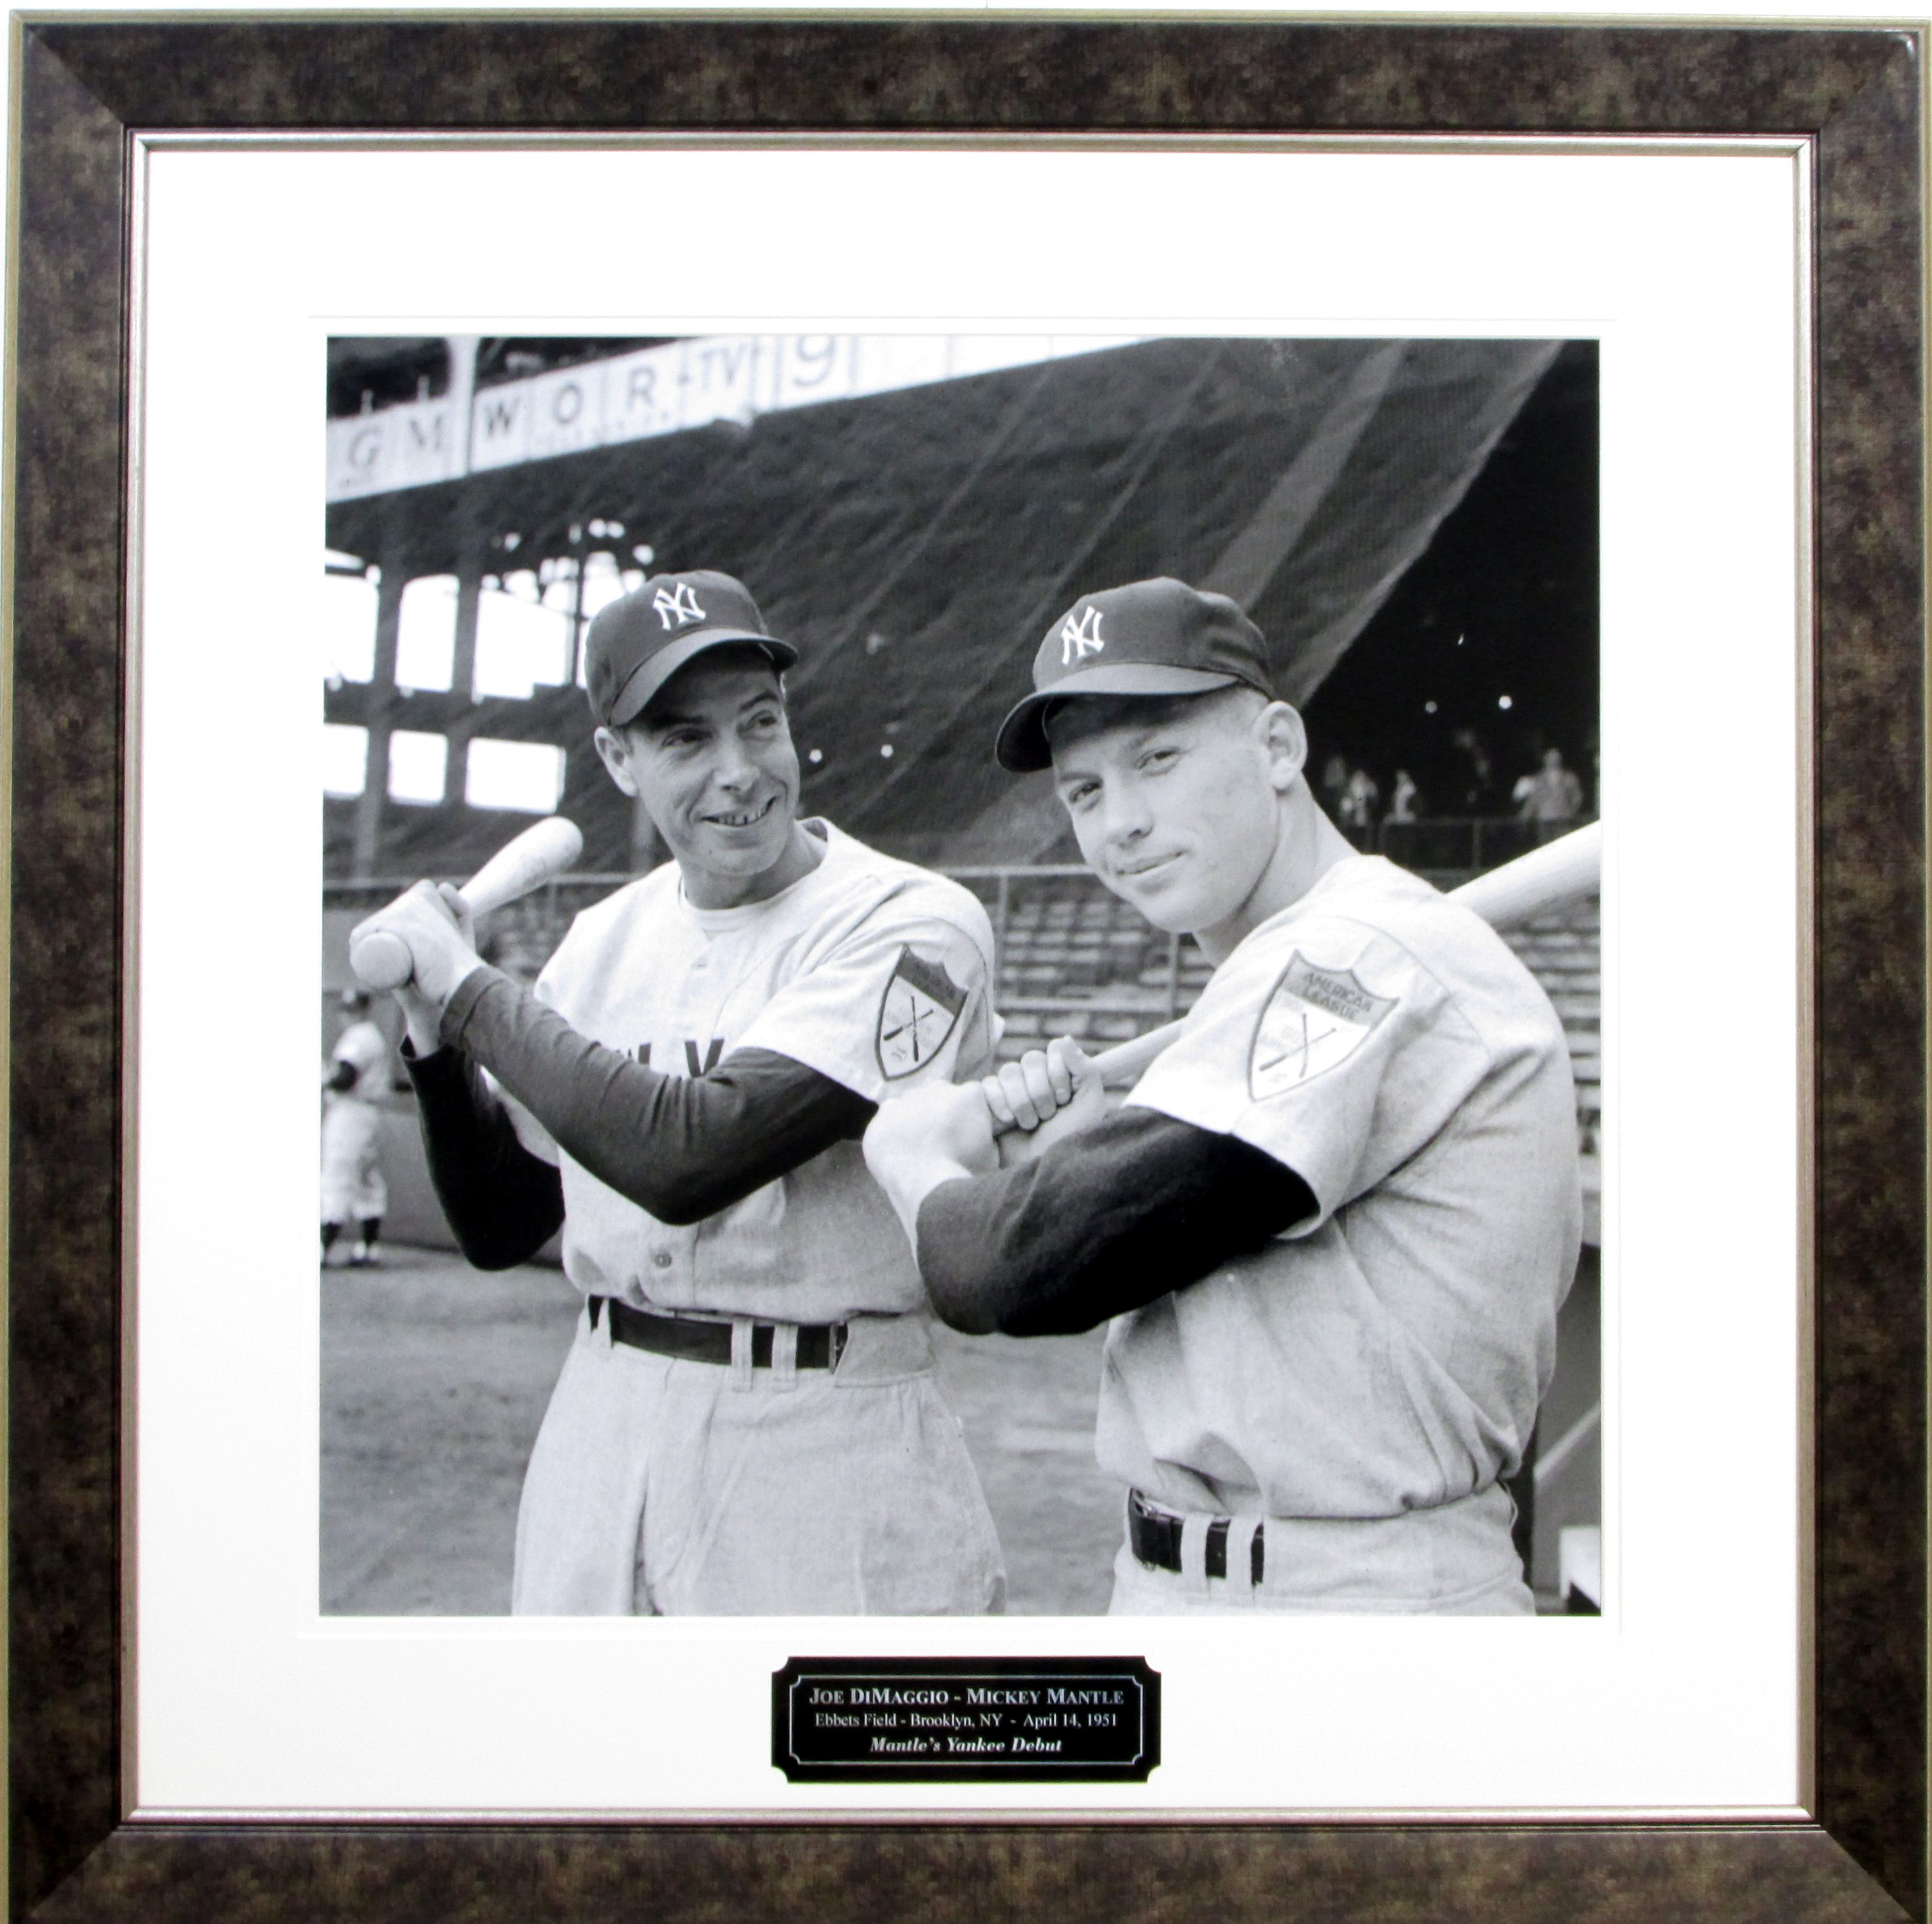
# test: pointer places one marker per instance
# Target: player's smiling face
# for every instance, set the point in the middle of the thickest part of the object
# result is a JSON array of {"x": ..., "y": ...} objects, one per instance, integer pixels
[
  {"x": 711, "y": 759},
  {"x": 1176, "y": 804}
]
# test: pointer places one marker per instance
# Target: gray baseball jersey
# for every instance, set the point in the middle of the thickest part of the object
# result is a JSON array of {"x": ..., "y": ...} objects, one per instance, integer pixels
[
  {"x": 1388, "y": 1354},
  {"x": 870, "y": 971}
]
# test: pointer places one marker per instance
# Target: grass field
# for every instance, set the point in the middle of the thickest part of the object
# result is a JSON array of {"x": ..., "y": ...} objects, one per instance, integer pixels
[{"x": 434, "y": 1378}]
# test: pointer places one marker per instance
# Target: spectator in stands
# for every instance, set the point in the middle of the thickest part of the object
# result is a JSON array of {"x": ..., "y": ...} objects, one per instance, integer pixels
[
  {"x": 1358, "y": 808},
  {"x": 1477, "y": 789},
  {"x": 1334, "y": 785},
  {"x": 1405, "y": 803},
  {"x": 1551, "y": 796}
]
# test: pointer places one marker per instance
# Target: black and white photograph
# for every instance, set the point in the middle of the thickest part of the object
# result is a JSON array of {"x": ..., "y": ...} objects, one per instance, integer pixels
[
  {"x": 961, "y": 974},
  {"x": 1111, "y": 881}
]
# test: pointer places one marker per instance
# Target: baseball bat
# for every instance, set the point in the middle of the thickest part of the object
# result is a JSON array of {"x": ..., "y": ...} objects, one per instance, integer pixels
[
  {"x": 1560, "y": 872},
  {"x": 381, "y": 959}
]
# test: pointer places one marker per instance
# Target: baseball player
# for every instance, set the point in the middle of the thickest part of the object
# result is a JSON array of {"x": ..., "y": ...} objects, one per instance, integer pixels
[
  {"x": 1333, "y": 1222},
  {"x": 748, "y": 1421},
  {"x": 353, "y": 1189}
]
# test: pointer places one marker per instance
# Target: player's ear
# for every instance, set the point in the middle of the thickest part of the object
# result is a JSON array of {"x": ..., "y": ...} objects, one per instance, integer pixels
[
  {"x": 613, "y": 750},
  {"x": 1285, "y": 741}
]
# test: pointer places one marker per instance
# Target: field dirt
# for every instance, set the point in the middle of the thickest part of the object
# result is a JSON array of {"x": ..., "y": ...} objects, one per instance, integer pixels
[{"x": 434, "y": 1378}]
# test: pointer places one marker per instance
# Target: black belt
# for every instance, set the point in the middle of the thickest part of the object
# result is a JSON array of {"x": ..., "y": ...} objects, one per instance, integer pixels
[
  {"x": 819, "y": 1344},
  {"x": 1155, "y": 1534}
]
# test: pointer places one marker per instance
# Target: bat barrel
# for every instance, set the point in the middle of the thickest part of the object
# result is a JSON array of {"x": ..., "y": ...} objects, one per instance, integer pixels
[
  {"x": 381, "y": 959},
  {"x": 1547, "y": 878},
  {"x": 544, "y": 849}
]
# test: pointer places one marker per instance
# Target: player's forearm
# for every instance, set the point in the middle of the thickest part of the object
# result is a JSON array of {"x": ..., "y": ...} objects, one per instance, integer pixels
[
  {"x": 682, "y": 1148},
  {"x": 502, "y": 1203},
  {"x": 1136, "y": 1207},
  {"x": 907, "y": 1181}
]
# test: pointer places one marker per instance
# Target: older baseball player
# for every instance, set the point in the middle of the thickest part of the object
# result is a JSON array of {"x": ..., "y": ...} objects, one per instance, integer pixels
[
  {"x": 1333, "y": 1222},
  {"x": 748, "y": 1421}
]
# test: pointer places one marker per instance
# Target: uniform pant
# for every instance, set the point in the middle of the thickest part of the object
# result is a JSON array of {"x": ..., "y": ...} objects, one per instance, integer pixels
[
  {"x": 1456, "y": 1560},
  {"x": 663, "y": 1487}
]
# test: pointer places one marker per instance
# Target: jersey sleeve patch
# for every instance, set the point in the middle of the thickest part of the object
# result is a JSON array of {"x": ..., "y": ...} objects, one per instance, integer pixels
[
  {"x": 1315, "y": 1019},
  {"x": 917, "y": 1013}
]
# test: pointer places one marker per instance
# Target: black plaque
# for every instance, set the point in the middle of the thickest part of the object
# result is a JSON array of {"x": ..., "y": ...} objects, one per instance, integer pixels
[{"x": 957, "y": 1720}]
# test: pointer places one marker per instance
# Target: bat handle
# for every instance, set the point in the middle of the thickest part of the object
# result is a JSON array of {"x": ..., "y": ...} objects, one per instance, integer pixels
[
  {"x": 1119, "y": 1066},
  {"x": 381, "y": 959}
]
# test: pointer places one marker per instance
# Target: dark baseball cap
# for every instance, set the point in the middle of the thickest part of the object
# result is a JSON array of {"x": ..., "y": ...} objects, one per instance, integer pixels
[
  {"x": 636, "y": 645},
  {"x": 1150, "y": 637}
]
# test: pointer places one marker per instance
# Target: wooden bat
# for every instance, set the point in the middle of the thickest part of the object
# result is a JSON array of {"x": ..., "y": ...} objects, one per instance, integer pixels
[
  {"x": 381, "y": 959},
  {"x": 1560, "y": 871}
]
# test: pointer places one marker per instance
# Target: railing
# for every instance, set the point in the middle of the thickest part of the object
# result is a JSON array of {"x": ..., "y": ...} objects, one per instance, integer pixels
[
  {"x": 1069, "y": 958},
  {"x": 1094, "y": 955},
  {"x": 997, "y": 887},
  {"x": 521, "y": 936},
  {"x": 1467, "y": 844}
]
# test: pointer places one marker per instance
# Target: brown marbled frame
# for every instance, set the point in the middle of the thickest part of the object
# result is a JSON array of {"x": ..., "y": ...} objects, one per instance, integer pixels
[{"x": 84, "y": 85}]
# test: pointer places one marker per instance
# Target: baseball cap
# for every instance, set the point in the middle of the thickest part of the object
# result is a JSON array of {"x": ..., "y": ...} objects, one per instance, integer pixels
[
  {"x": 637, "y": 644},
  {"x": 1149, "y": 637}
]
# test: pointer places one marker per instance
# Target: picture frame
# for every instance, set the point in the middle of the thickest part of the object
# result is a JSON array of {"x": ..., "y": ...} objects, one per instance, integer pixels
[{"x": 1855, "y": 94}]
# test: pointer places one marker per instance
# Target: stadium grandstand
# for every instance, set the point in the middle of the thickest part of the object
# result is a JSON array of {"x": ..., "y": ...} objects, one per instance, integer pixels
[{"x": 1411, "y": 523}]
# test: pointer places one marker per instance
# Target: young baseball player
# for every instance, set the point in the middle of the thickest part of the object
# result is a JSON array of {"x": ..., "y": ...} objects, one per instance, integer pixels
[
  {"x": 1335, "y": 1219},
  {"x": 749, "y": 1421}
]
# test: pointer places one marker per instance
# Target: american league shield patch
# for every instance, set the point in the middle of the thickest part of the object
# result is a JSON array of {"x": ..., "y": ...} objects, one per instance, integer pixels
[
  {"x": 921, "y": 1003},
  {"x": 1315, "y": 1018}
]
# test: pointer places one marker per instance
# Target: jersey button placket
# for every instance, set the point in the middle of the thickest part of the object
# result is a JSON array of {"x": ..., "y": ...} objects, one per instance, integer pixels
[{"x": 666, "y": 1265}]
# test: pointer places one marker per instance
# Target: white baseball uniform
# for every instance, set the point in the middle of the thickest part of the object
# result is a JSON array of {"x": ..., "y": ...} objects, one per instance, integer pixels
[
  {"x": 1364, "y": 1381},
  {"x": 661, "y": 1485},
  {"x": 352, "y": 1186}
]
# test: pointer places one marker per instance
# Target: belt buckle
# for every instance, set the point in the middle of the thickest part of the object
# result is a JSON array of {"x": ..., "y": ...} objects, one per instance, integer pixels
[
  {"x": 1158, "y": 1528},
  {"x": 1218, "y": 1538}
]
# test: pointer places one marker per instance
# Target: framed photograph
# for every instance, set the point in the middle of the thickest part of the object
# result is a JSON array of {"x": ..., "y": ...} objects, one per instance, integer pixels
[
  {"x": 1544, "y": 402},
  {"x": 883, "y": 492}
]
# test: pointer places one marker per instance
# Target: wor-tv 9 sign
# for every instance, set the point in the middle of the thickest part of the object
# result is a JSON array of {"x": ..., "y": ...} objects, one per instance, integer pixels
[{"x": 654, "y": 391}]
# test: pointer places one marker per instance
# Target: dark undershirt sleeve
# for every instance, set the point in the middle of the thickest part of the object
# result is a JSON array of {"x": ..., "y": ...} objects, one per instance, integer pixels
[
  {"x": 502, "y": 1203},
  {"x": 682, "y": 1147},
  {"x": 1103, "y": 1222}
]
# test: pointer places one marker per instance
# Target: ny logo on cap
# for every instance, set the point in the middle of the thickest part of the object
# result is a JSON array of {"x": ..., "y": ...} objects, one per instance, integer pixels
[
  {"x": 678, "y": 607},
  {"x": 1079, "y": 639}
]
